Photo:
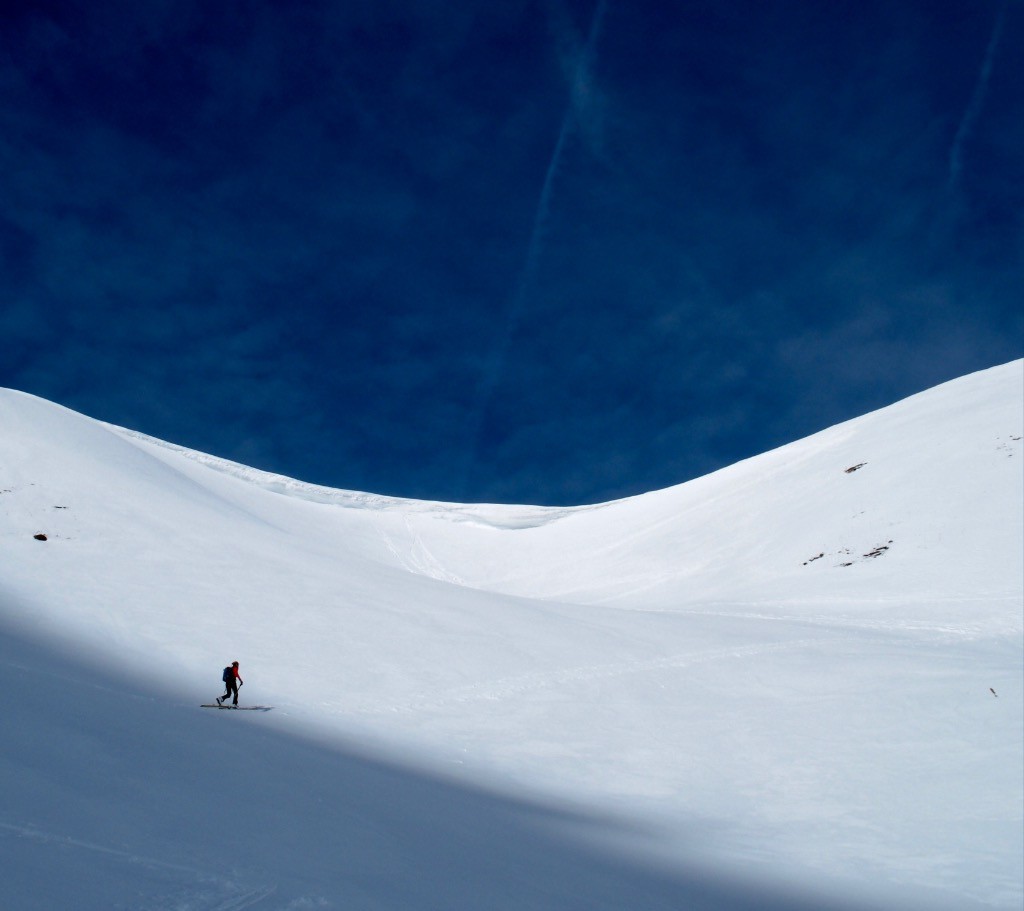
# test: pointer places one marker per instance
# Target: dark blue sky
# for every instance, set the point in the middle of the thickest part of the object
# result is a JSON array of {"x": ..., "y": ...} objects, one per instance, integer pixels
[{"x": 545, "y": 252}]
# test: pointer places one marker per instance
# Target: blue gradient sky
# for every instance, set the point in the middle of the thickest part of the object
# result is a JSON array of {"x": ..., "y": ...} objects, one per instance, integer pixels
[{"x": 545, "y": 252}]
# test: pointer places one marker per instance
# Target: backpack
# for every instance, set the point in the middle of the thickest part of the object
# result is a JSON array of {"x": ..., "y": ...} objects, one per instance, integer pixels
[{"x": 228, "y": 675}]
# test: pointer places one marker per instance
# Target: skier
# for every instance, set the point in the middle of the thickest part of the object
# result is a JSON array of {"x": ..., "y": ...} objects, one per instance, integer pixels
[{"x": 232, "y": 681}]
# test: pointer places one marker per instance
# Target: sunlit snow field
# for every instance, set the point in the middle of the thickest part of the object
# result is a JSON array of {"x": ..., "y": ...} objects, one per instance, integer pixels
[{"x": 794, "y": 683}]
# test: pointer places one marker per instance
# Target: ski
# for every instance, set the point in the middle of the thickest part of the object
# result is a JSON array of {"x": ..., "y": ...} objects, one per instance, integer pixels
[{"x": 239, "y": 708}]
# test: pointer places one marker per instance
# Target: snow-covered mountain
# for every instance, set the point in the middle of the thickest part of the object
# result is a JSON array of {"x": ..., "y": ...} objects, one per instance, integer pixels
[{"x": 794, "y": 683}]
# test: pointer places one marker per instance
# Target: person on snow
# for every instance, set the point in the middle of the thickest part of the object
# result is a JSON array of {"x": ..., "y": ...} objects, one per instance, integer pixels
[{"x": 232, "y": 681}]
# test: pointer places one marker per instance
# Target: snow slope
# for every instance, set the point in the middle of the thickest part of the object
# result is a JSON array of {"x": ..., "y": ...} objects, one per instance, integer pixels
[{"x": 794, "y": 683}]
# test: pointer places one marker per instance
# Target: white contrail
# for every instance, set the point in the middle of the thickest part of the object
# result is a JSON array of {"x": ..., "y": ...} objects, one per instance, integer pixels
[
  {"x": 577, "y": 101},
  {"x": 496, "y": 364},
  {"x": 977, "y": 99}
]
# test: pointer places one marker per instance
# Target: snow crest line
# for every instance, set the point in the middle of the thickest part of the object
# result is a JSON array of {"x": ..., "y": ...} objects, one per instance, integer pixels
[{"x": 501, "y": 517}]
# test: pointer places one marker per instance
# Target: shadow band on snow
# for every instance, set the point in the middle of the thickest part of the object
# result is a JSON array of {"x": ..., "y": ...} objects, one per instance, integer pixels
[{"x": 116, "y": 795}]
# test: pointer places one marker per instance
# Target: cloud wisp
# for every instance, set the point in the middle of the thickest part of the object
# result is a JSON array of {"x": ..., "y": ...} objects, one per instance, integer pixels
[{"x": 974, "y": 106}]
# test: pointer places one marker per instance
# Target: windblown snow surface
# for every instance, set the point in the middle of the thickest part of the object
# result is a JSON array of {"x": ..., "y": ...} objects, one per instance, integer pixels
[{"x": 795, "y": 683}]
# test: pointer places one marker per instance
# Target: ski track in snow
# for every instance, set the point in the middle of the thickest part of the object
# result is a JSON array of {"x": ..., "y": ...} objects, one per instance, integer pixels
[
  {"x": 206, "y": 892},
  {"x": 421, "y": 560},
  {"x": 840, "y": 621},
  {"x": 520, "y": 684}
]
